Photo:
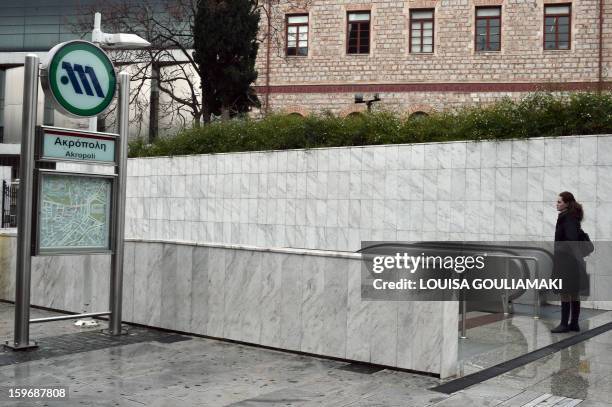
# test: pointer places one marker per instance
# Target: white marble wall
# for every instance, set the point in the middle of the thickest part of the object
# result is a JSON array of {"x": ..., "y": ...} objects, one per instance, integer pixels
[
  {"x": 72, "y": 283},
  {"x": 287, "y": 299},
  {"x": 335, "y": 198}
]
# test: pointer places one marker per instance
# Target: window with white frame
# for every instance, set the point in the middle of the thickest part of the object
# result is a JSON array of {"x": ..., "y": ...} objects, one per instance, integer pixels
[
  {"x": 557, "y": 28},
  {"x": 358, "y": 32},
  {"x": 297, "y": 34},
  {"x": 488, "y": 28},
  {"x": 421, "y": 31}
]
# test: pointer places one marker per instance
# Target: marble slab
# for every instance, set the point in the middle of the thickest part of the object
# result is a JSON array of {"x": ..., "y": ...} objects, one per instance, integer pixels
[{"x": 290, "y": 299}]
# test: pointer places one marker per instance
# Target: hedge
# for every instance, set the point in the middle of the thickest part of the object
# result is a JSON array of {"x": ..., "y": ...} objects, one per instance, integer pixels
[{"x": 538, "y": 115}]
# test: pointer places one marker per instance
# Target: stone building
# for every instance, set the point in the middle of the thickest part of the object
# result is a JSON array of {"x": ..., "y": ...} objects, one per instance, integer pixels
[
  {"x": 428, "y": 55},
  {"x": 418, "y": 55}
]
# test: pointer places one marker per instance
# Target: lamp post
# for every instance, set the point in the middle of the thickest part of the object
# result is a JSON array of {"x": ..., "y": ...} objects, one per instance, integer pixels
[
  {"x": 117, "y": 41},
  {"x": 112, "y": 41},
  {"x": 359, "y": 99}
]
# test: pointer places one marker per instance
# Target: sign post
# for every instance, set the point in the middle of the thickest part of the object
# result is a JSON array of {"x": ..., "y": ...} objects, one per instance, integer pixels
[
  {"x": 24, "y": 216},
  {"x": 81, "y": 80},
  {"x": 116, "y": 286}
]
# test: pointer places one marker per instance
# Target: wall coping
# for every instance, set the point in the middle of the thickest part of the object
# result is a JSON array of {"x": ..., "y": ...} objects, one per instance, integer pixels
[{"x": 377, "y": 145}]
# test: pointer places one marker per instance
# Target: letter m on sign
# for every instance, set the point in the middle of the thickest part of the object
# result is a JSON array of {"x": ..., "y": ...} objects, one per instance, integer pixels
[{"x": 87, "y": 77}]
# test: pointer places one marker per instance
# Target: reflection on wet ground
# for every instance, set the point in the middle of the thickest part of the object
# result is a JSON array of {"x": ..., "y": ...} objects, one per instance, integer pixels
[
  {"x": 201, "y": 372},
  {"x": 517, "y": 334}
]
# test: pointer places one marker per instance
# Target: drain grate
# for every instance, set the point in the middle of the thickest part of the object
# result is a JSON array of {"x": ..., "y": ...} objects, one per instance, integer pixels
[
  {"x": 78, "y": 342},
  {"x": 363, "y": 368}
]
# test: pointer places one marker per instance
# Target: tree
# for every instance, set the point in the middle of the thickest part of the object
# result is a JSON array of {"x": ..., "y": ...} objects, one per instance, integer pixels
[
  {"x": 165, "y": 69},
  {"x": 225, "y": 43},
  {"x": 166, "y": 79}
]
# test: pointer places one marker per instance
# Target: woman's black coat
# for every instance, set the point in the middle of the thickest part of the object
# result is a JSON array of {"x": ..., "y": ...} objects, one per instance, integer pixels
[{"x": 569, "y": 264}]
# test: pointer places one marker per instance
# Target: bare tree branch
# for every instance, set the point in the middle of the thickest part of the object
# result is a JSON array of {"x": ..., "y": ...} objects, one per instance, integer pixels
[{"x": 168, "y": 26}]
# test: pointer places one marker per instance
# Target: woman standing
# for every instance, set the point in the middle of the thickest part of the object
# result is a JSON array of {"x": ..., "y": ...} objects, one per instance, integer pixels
[{"x": 569, "y": 265}]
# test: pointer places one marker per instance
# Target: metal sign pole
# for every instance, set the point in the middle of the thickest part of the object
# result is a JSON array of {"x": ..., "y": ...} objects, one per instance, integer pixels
[
  {"x": 24, "y": 223},
  {"x": 4, "y": 188},
  {"x": 93, "y": 121},
  {"x": 116, "y": 286}
]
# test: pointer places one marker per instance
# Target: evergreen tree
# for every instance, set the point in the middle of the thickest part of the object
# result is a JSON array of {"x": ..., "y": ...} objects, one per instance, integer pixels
[{"x": 225, "y": 42}]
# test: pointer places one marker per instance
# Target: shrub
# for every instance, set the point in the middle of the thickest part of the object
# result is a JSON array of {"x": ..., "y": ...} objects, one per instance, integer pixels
[{"x": 538, "y": 115}]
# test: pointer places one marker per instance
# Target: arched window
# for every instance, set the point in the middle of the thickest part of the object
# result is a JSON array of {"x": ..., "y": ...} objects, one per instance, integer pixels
[
  {"x": 418, "y": 115},
  {"x": 354, "y": 115}
]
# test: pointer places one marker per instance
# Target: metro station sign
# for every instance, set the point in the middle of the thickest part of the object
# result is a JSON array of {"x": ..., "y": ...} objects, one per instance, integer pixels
[
  {"x": 80, "y": 78},
  {"x": 58, "y": 144}
]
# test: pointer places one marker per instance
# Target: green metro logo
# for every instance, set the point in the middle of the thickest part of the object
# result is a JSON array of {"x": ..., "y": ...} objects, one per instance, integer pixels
[
  {"x": 83, "y": 73},
  {"x": 80, "y": 78}
]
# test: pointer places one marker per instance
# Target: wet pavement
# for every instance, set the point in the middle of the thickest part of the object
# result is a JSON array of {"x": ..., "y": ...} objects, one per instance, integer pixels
[
  {"x": 154, "y": 368},
  {"x": 507, "y": 338}
]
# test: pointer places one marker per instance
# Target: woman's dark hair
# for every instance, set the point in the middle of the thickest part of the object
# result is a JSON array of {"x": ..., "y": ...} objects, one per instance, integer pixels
[{"x": 573, "y": 207}]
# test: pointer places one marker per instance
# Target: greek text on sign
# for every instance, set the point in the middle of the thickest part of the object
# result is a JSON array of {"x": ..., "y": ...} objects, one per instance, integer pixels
[
  {"x": 80, "y": 78},
  {"x": 64, "y": 144}
]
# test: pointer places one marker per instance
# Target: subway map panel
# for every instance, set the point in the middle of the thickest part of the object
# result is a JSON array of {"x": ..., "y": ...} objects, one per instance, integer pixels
[{"x": 74, "y": 213}]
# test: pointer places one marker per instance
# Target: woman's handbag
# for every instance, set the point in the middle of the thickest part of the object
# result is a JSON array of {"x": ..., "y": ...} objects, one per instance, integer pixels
[{"x": 586, "y": 246}]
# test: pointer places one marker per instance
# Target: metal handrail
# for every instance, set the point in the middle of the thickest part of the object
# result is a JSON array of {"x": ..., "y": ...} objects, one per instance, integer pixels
[
  {"x": 443, "y": 245},
  {"x": 497, "y": 246},
  {"x": 463, "y": 245},
  {"x": 71, "y": 316},
  {"x": 510, "y": 255},
  {"x": 536, "y": 309}
]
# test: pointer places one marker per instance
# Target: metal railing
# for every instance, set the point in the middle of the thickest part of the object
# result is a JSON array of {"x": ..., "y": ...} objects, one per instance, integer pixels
[
  {"x": 536, "y": 305},
  {"x": 9, "y": 205},
  {"x": 503, "y": 252},
  {"x": 510, "y": 250},
  {"x": 70, "y": 316}
]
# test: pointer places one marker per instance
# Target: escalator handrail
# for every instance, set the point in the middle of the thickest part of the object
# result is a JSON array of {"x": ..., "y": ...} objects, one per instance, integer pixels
[
  {"x": 440, "y": 245},
  {"x": 470, "y": 244}
]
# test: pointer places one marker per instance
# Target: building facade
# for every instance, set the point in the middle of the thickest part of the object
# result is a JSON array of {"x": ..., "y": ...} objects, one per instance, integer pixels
[
  {"x": 418, "y": 55},
  {"x": 35, "y": 26},
  {"x": 429, "y": 55},
  {"x": 29, "y": 26}
]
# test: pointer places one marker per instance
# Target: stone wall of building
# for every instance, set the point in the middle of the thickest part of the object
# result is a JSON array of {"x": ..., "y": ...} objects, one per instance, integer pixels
[
  {"x": 400, "y": 102},
  {"x": 607, "y": 43},
  {"x": 522, "y": 59}
]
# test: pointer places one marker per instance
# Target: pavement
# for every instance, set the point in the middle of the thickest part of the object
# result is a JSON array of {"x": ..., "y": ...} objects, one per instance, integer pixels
[{"x": 149, "y": 367}]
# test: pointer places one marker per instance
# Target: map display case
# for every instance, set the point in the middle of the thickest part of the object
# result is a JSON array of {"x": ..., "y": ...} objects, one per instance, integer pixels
[{"x": 73, "y": 213}]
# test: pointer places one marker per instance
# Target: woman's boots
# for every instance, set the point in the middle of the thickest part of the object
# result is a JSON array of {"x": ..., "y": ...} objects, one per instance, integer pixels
[
  {"x": 565, "y": 313},
  {"x": 566, "y": 306},
  {"x": 573, "y": 326}
]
